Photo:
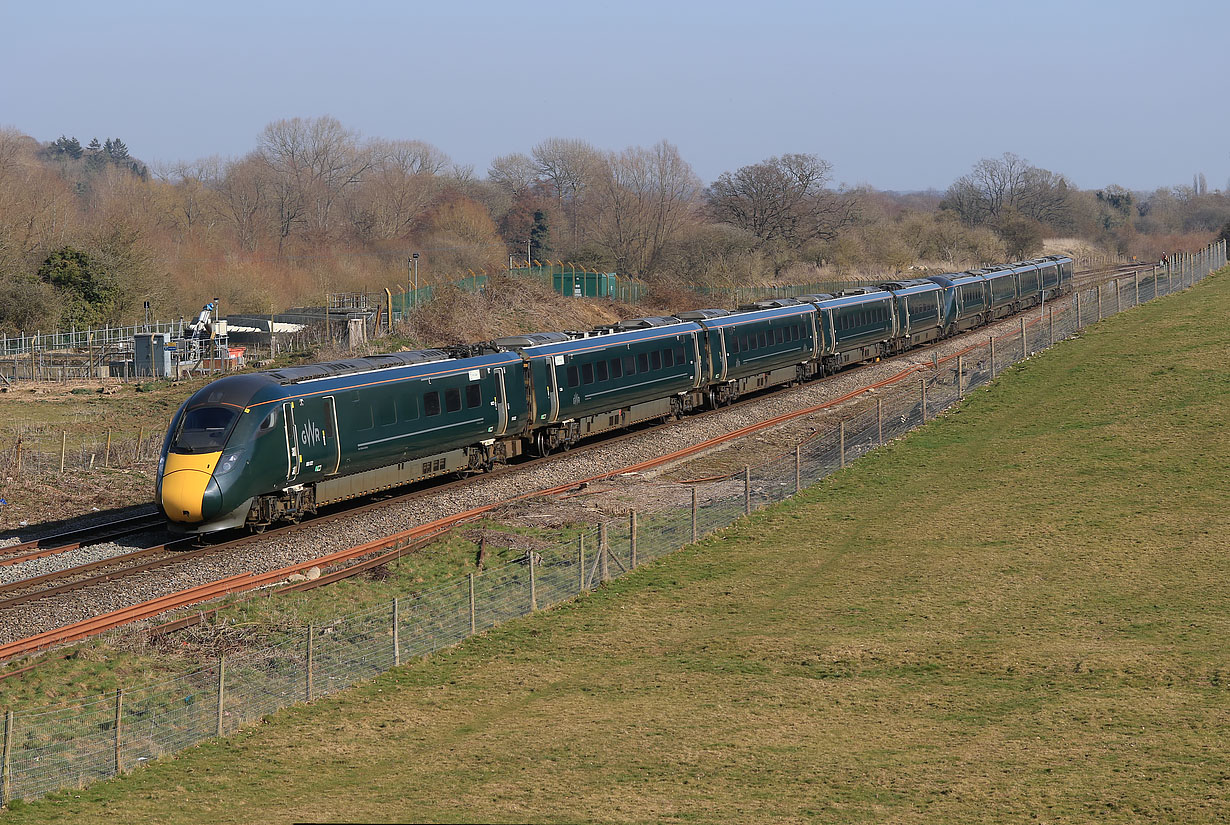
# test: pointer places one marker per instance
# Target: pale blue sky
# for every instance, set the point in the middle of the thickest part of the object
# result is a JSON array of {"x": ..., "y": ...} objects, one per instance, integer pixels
[{"x": 897, "y": 95}]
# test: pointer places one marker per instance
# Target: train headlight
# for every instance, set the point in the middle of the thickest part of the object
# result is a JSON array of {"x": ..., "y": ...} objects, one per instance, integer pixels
[{"x": 228, "y": 463}]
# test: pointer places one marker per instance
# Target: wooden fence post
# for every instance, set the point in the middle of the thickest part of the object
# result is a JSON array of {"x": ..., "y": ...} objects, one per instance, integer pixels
[
  {"x": 879, "y": 422},
  {"x": 107, "y": 452},
  {"x": 63, "y": 447},
  {"x": 632, "y": 535},
  {"x": 581, "y": 561},
  {"x": 1024, "y": 341},
  {"x": 1078, "y": 309},
  {"x": 529, "y": 558},
  {"x": 221, "y": 690},
  {"x": 1118, "y": 299},
  {"x": 922, "y": 387},
  {"x": 604, "y": 555},
  {"x": 311, "y": 644},
  {"x": 992, "y": 344},
  {"x": 119, "y": 737},
  {"x": 747, "y": 489},
  {"x": 695, "y": 531},
  {"x": 1136, "y": 283},
  {"x": 1050, "y": 335},
  {"x": 841, "y": 440},
  {"x": 397, "y": 631},
  {"x": 473, "y": 612},
  {"x": 960, "y": 376},
  {"x": 140, "y": 438},
  {"x": 1099, "y": 302},
  {"x": 6, "y": 772}
]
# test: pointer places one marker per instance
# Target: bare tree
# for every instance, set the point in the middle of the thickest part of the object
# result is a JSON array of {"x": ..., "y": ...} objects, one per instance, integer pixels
[
  {"x": 244, "y": 194},
  {"x": 570, "y": 167},
  {"x": 1009, "y": 182},
  {"x": 782, "y": 199},
  {"x": 313, "y": 162},
  {"x": 642, "y": 199},
  {"x": 516, "y": 173}
]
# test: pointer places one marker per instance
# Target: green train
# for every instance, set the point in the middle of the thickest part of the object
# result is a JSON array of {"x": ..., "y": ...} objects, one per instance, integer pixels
[{"x": 253, "y": 449}]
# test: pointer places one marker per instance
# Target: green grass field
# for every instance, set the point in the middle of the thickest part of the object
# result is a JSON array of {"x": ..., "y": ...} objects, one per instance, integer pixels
[{"x": 1019, "y": 613}]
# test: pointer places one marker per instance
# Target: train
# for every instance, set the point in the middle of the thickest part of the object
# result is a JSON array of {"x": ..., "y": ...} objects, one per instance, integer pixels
[{"x": 254, "y": 449}]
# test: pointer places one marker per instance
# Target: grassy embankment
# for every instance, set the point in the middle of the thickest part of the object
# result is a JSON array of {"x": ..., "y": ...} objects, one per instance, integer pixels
[{"x": 1047, "y": 638}]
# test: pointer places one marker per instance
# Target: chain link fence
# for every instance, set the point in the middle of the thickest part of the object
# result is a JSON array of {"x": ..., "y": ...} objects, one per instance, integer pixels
[{"x": 47, "y": 749}]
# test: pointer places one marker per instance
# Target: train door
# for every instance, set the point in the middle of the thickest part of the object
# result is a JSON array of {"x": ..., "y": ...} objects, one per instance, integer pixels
[
  {"x": 501, "y": 402},
  {"x": 293, "y": 459},
  {"x": 725, "y": 358},
  {"x": 331, "y": 433}
]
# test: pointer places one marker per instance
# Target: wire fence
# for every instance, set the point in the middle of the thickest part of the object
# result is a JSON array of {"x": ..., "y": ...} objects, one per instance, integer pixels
[{"x": 47, "y": 749}]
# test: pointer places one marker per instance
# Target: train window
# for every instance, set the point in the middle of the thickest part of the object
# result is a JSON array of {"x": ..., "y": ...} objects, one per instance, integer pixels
[
  {"x": 600, "y": 371},
  {"x": 668, "y": 357},
  {"x": 386, "y": 412},
  {"x": 587, "y": 373},
  {"x": 655, "y": 359},
  {"x": 779, "y": 335},
  {"x": 574, "y": 377},
  {"x": 629, "y": 365},
  {"x": 680, "y": 358},
  {"x": 642, "y": 363},
  {"x": 617, "y": 369},
  {"x": 431, "y": 403},
  {"x": 363, "y": 417},
  {"x": 474, "y": 396},
  {"x": 452, "y": 399},
  {"x": 734, "y": 345},
  {"x": 407, "y": 408},
  {"x": 763, "y": 338},
  {"x": 273, "y": 418}
]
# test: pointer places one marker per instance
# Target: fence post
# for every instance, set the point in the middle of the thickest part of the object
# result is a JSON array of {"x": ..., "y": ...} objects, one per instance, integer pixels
[
  {"x": 879, "y": 422},
  {"x": 841, "y": 437},
  {"x": 107, "y": 452},
  {"x": 6, "y": 772},
  {"x": 396, "y": 631},
  {"x": 140, "y": 438},
  {"x": 632, "y": 536},
  {"x": 1136, "y": 282},
  {"x": 798, "y": 468},
  {"x": 311, "y": 644},
  {"x": 581, "y": 561},
  {"x": 604, "y": 560},
  {"x": 1099, "y": 302},
  {"x": 221, "y": 689},
  {"x": 960, "y": 376},
  {"x": 747, "y": 489},
  {"x": 1024, "y": 341},
  {"x": 119, "y": 713},
  {"x": 529, "y": 557},
  {"x": 922, "y": 386},
  {"x": 695, "y": 531},
  {"x": 63, "y": 446},
  {"x": 1078, "y": 309},
  {"x": 1118, "y": 297},
  {"x": 473, "y": 612},
  {"x": 992, "y": 340},
  {"x": 935, "y": 360}
]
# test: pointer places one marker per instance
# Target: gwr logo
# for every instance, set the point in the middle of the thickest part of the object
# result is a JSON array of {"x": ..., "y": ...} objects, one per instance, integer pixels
[{"x": 310, "y": 435}]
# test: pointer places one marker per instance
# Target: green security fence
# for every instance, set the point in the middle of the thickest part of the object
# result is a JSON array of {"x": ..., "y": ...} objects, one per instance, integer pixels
[{"x": 567, "y": 279}]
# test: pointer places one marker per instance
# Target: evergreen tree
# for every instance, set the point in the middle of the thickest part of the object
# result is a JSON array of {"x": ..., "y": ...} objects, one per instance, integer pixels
[
  {"x": 117, "y": 150},
  {"x": 540, "y": 237},
  {"x": 95, "y": 147},
  {"x": 87, "y": 296},
  {"x": 73, "y": 147}
]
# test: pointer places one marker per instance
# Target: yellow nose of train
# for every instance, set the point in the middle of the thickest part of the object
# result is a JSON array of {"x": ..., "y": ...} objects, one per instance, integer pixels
[{"x": 185, "y": 481}]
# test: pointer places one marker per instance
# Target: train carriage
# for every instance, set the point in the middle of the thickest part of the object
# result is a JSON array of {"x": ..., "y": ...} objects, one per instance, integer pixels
[
  {"x": 919, "y": 306},
  {"x": 857, "y": 326},
  {"x": 1002, "y": 290},
  {"x": 634, "y": 371},
  {"x": 763, "y": 345},
  {"x": 1028, "y": 284}
]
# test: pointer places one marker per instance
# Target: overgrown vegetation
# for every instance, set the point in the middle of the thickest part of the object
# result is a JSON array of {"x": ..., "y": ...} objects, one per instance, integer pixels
[
  {"x": 315, "y": 208},
  {"x": 1046, "y": 638}
]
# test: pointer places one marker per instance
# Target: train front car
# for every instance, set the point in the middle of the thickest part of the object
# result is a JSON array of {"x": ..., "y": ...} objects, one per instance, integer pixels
[{"x": 213, "y": 458}]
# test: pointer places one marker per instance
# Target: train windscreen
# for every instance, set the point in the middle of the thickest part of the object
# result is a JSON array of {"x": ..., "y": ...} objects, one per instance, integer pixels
[{"x": 204, "y": 430}]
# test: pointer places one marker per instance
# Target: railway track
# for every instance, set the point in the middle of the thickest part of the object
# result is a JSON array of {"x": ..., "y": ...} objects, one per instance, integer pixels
[
  {"x": 75, "y": 579},
  {"x": 74, "y": 539}
]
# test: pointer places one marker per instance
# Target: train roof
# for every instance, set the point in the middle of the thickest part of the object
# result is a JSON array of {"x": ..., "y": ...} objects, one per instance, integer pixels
[
  {"x": 352, "y": 366},
  {"x": 845, "y": 300},
  {"x": 913, "y": 286},
  {"x": 736, "y": 318}
]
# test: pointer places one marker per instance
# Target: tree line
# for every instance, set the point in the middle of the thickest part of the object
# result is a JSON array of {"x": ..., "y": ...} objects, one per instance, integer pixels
[{"x": 89, "y": 232}]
